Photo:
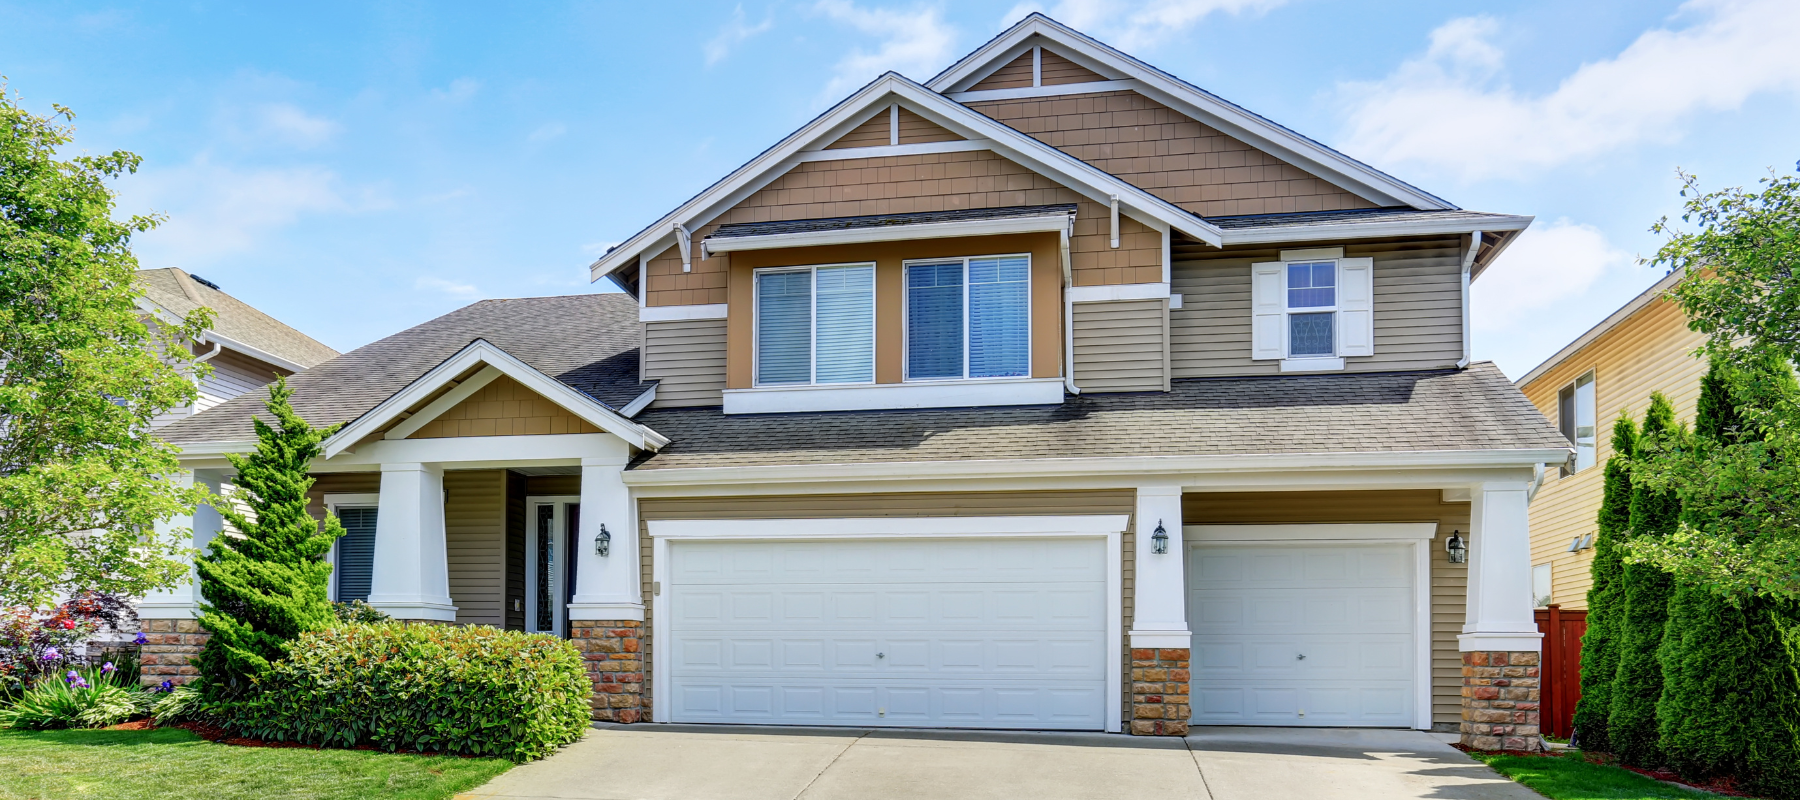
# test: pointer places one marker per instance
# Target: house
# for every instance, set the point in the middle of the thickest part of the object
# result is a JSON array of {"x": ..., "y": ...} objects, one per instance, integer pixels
[
  {"x": 1053, "y": 393},
  {"x": 1645, "y": 346},
  {"x": 246, "y": 348}
]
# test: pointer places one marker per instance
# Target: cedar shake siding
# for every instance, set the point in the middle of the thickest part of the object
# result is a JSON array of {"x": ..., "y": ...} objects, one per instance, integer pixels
[
  {"x": 1417, "y": 302},
  {"x": 1120, "y": 346},
  {"x": 504, "y": 407},
  {"x": 907, "y": 184},
  {"x": 879, "y": 131},
  {"x": 915, "y": 129},
  {"x": 1164, "y": 152},
  {"x": 688, "y": 358}
]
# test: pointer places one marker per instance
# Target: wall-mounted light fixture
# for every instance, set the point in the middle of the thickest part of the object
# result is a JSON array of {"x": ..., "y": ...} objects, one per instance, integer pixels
[
  {"x": 1159, "y": 541},
  {"x": 1457, "y": 548},
  {"x": 603, "y": 542}
]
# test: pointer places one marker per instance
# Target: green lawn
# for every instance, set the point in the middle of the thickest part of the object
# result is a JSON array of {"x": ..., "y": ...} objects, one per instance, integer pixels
[
  {"x": 173, "y": 763},
  {"x": 1570, "y": 777}
]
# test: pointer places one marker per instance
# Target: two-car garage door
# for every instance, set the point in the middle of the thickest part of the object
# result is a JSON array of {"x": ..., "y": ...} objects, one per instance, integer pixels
[{"x": 982, "y": 633}]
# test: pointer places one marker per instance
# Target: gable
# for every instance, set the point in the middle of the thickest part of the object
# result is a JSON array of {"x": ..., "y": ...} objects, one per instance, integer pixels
[
  {"x": 503, "y": 407},
  {"x": 1054, "y": 70},
  {"x": 1015, "y": 74},
  {"x": 1051, "y": 69},
  {"x": 895, "y": 124},
  {"x": 1175, "y": 157}
]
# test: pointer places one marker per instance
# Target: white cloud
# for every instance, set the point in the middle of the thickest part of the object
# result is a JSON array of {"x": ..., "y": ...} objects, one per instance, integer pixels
[
  {"x": 1130, "y": 25},
  {"x": 1547, "y": 265},
  {"x": 736, "y": 31},
  {"x": 914, "y": 43},
  {"x": 215, "y": 211},
  {"x": 286, "y": 123},
  {"x": 452, "y": 288},
  {"x": 1451, "y": 108},
  {"x": 547, "y": 131}
]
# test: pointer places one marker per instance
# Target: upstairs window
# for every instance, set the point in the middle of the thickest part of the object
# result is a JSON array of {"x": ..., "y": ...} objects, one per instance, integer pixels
[
  {"x": 1312, "y": 309},
  {"x": 968, "y": 318},
  {"x": 815, "y": 325},
  {"x": 1575, "y": 415}
]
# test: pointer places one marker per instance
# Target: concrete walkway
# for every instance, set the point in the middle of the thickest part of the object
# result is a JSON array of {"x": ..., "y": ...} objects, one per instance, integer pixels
[{"x": 691, "y": 762}]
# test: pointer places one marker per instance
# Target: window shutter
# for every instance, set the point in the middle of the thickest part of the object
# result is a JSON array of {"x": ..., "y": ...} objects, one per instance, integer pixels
[
  {"x": 1267, "y": 302},
  {"x": 846, "y": 337},
  {"x": 1356, "y": 307}
]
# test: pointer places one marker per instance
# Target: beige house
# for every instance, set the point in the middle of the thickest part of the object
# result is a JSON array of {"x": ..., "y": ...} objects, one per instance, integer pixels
[
  {"x": 1643, "y": 347},
  {"x": 1052, "y": 393}
]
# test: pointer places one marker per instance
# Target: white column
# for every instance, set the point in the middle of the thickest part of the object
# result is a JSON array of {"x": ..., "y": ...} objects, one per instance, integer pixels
[
  {"x": 183, "y": 601},
  {"x": 412, "y": 573},
  {"x": 606, "y": 587},
  {"x": 1159, "y": 617},
  {"x": 1499, "y": 615}
]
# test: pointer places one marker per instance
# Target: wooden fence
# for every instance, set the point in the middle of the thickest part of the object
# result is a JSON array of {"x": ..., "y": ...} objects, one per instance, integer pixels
[{"x": 1561, "y": 667}]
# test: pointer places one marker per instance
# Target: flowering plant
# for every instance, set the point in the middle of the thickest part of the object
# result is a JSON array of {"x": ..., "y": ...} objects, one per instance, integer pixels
[{"x": 35, "y": 644}]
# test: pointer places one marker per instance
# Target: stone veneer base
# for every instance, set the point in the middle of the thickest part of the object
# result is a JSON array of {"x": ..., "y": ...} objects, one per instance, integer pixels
[
  {"x": 614, "y": 664},
  {"x": 1159, "y": 691},
  {"x": 1500, "y": 700},
  {"x": 169, "y": 649}
]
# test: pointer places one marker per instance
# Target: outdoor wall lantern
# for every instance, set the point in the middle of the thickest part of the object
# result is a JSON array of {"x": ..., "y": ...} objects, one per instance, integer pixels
[
  {"x": 603, "y": 541},
  {"x": 1457, "y": 548},
  {"x": 1159, "y": 541}
]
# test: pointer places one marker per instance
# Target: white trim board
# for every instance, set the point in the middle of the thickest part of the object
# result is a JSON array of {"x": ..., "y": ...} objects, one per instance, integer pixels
[
  {"x": 883, "y": 151},
  {"x": 1123, "y": 291},
  {"x": 917, "y": 394},
  {"x": 681, "y": 313},
  {"x": 1041, "y": 223},
  {"x": 1354, "y": 531},
  {"x": 1054, "y": 90}
]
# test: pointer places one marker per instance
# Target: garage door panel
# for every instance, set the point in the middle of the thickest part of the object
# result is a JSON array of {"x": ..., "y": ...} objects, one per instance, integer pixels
[
  {"x": 1012, "y": 606},
  {"x": 945, "y": 560},
  {"x": 848, "y": 702},
  {"x": 1372, "y": 610},
  {"x": 997, "y": 653},
  {"x": 1234, "y": 657}
]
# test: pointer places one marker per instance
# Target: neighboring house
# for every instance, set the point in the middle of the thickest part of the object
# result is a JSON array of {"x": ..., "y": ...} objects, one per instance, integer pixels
[
  {"x": 975, "y": 403},
  {"x": 1643, "y": 347},
  {"x": 246, "y": 348}
]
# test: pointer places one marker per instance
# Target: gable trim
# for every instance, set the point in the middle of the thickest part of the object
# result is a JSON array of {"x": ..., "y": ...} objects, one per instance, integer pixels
[
  {"x": 882, "y": 151},
  {"x": 445, "y": 402},
  {"x": 498, "y": 362},
  {"x": 1053, "y": 90},
  {"x": 1041, "y": 223}
]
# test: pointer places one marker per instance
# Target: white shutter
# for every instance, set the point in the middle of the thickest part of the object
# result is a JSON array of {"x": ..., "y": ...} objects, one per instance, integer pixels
[
  {"x": 1267, "y": 302},
  {"x": 1356, "y": 307}
]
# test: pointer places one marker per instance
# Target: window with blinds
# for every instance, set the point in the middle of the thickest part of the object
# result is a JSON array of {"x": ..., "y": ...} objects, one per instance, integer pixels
[
  {"x": 968, "y": 318},
  {"x": 356, "y": 554},
  {"x": 815, "y": 325}
]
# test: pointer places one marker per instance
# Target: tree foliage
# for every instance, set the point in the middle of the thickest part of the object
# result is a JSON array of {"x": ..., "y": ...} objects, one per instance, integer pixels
[
  {"x": 267, "y": 586},
  {"x": 1655, "y": 513},
  {"x": 1600, "y": 645},
  {"x": 81, "y": 377}
]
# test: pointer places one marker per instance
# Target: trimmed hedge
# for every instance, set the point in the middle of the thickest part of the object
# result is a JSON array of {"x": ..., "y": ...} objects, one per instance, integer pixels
[
  {"x": 1600, "y": 645},
  {"x": 1631, "y": 728},
  {"x": 472, "y": 690}
]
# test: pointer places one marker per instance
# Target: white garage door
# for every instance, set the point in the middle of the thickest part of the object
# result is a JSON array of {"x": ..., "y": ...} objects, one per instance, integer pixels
[
  {"x": 976, "y": 633},
  {"x": 1302, "y": 634}
]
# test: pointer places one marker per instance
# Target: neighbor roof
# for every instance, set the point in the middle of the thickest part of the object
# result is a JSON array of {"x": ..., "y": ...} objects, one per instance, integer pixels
[
  {"x": 179, "y": 294},
  {"x": 587, "y": 341},
  {"x": 1452, "y": 410}
]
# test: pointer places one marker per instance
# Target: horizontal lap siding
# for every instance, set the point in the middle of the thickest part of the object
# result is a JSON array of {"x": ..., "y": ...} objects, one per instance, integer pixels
[
  {"x": 1120, "y": 346},
  {"x": 233, "y": 375},
  {"x": 877, "y": 132},
  {"x": 915, "y": 129},
  {"x": 923, "y": 504},
  {"x": 688, "y": 358},
  {"x": 475, "y": 544},
  {"x": 1015, "y": 74},
  {"x": 1418, "y": 310},
  {"x": 1650, "y": 351},
  {"x": 1449, "y": 582},
  {"x": 1054, "y": 70}
]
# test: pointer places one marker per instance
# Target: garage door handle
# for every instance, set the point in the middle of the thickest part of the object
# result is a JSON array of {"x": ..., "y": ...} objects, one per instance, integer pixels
[
  {"x": 881, "y": 655},
  {"x": 1301, "y": 657}
]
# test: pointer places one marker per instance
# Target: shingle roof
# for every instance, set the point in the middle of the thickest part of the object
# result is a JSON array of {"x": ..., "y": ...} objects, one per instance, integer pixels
[
  {"x": 587, "y": 341},
  {"x": 1472, "y": 409},
  {"x": 1346, "y": 217},
  {"x": 234, "y": 319},
  {"x": 742, "y": 229}
]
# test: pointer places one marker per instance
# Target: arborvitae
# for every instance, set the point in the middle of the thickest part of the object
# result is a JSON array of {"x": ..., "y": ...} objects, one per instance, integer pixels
[
  {"x": 270, "y": 584},
  {"x": 1631, "y": 729},
  {"x": 1600, "y": 646},
  {"x": 1731, "y": 699}
]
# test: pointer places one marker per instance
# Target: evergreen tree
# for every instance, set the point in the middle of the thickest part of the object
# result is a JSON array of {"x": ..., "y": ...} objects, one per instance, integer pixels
[
  {"x": 1731, "y": 699},
  {"x": 1631, "y": 728},
  {"x": 269, "y": 585},
  {"x": 1600, "y": 646}
]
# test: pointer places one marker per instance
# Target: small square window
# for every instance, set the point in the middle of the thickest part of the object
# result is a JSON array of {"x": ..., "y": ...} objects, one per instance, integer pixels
[{"x": 1312, "y": 284}]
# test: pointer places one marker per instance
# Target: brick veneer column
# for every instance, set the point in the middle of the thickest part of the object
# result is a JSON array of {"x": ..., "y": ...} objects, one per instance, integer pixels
[
  {"x": 614, "y": 664},
  {"x": 1500, "y": 700},
  {"x": 1159, "y": 691},
  {"x": 169, "y": 649}
]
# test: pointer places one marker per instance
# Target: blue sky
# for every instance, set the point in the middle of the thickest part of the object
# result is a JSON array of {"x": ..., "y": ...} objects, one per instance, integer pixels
[{"x": 357, "y": 168}]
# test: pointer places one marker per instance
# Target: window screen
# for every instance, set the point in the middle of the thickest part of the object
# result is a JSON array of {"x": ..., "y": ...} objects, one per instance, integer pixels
[
  {"x": 934, "y": 320},
  {"x": 356, "y": 554}
]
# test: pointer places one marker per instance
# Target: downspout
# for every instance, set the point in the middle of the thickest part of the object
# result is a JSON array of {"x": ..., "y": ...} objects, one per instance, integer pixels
[
  {"x": 217, "y": 346},
  {"x": 1068, "y": 314},
  {"x": 1467, "y": 264}
]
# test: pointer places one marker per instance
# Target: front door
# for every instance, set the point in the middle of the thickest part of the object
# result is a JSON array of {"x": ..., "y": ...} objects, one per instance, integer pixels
[{"x": 549, "y": 570}]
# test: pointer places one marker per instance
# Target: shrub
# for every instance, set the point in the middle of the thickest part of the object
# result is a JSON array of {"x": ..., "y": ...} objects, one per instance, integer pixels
[
  {"x": 471, "y": 690},
  {"x": 359, "y": 611},
  {"x": 1632, "y": 728},
  {"x": 1600, "y": 646},
  {"x": 74, "y": 701}
]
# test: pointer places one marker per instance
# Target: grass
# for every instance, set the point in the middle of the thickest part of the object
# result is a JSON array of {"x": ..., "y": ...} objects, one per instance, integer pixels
[
  {"x": 1570, "y": 776},
  {"x": 175, "y": 764}
]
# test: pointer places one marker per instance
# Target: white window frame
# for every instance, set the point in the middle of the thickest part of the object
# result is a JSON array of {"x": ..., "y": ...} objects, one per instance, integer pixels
[
  {"x": 1549, "y": 595},
  {"x": 812, "y": 355},
  {"x": 906, "y": 332},
  {"x": 1592, "y": 375},
  {"x": 1287, "y": 313},
  {"x": 559, "y": 515},
  {"x": 333, "y": 502}
]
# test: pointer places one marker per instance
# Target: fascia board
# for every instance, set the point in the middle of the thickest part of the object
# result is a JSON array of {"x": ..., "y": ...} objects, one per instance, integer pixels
[
  {"x": 1612, "y": 320},
  {"x": 1082, "y": 467},
  {"x": 251, "y": 351},
  {"x": 1049, "y": 223},
  {"x": 445, "y": 402},
  {"x": 1371, "y": 230}
]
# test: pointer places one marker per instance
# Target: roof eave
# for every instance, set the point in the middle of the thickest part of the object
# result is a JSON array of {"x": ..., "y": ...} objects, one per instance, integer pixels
[{"x": 1375, "y": 229}]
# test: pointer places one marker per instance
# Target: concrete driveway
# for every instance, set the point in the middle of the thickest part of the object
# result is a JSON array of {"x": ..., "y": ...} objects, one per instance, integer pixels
[{"x": 682, "y": 762}]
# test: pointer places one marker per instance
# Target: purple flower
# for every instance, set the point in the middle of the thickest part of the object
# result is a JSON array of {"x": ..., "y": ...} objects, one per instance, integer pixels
[
  {"x": 168, "y": 686},
  {"x": 107, "y": 668},
  {"x": 52, "y": 654},
  {"x": 81, "y": 683},
  {"x": 73, "y": 676},
  {"x": 141, "y": 639}
]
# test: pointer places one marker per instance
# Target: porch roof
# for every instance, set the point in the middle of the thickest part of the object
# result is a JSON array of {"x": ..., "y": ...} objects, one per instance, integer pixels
[{"x": 1447, "y": 410}]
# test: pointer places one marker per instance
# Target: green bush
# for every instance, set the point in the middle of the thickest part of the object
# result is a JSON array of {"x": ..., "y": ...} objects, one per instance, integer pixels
[
  {"x": 81, "y": 699},
  {"x": 471, "y": 690},
  {"x": 1631, "y": 728},
  {"x": 1600, "y": 645},
  {"x": 359, "y": 611}
]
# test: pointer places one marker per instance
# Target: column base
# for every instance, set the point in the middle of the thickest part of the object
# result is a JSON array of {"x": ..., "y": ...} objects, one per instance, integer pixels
[
  {"x": 1159, "y": 691},
  {"x": 1500, "y": 700},
  {"x": 168, "y": 652},
  {"x": 615, "y": 666}
]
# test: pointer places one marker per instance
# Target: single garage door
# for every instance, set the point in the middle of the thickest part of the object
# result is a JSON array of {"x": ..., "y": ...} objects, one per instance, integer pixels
[
  {"x": 958, "y": 633},
  {"x": 1302, "y": 634}
]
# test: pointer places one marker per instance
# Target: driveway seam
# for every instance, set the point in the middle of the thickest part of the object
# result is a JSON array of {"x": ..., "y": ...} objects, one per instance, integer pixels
[
  {"x": 1195, "y": 757},
  {"x": 828, "y": 765}
]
